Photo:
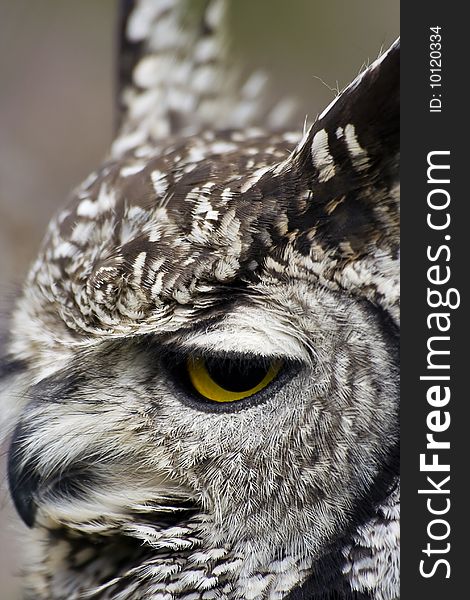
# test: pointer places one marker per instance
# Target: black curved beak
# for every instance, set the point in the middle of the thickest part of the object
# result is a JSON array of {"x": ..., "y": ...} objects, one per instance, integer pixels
[{"x": 23, "y": 480}]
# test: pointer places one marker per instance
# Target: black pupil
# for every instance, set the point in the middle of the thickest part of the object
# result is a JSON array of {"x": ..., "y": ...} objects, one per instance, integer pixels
[{"x": 236, "y": 375}]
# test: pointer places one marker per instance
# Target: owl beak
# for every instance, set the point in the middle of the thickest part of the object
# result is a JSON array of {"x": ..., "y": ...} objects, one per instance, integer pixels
[{"x": 23, "y": 481}]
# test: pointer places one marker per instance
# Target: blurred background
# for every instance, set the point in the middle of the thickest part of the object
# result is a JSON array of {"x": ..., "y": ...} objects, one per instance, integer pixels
[{"x": 56, "y": 100}]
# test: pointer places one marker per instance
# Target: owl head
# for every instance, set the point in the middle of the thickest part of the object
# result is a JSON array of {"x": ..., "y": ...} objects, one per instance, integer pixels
[{"x": 201, "y": 380}]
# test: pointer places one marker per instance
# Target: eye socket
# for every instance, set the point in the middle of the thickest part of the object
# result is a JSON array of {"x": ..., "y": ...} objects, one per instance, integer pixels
[{"x": 229, "y": 380}]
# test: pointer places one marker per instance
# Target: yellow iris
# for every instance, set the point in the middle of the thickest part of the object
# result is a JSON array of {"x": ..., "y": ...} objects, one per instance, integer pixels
[{"x": 204, "y": 383}]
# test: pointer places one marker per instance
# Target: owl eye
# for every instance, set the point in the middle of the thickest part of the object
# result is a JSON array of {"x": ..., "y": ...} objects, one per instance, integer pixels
[{"x": 229, "y": 380}]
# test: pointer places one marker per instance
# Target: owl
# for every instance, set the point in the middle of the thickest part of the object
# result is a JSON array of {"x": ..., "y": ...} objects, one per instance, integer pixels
[{"x": 200, "y": 386}]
